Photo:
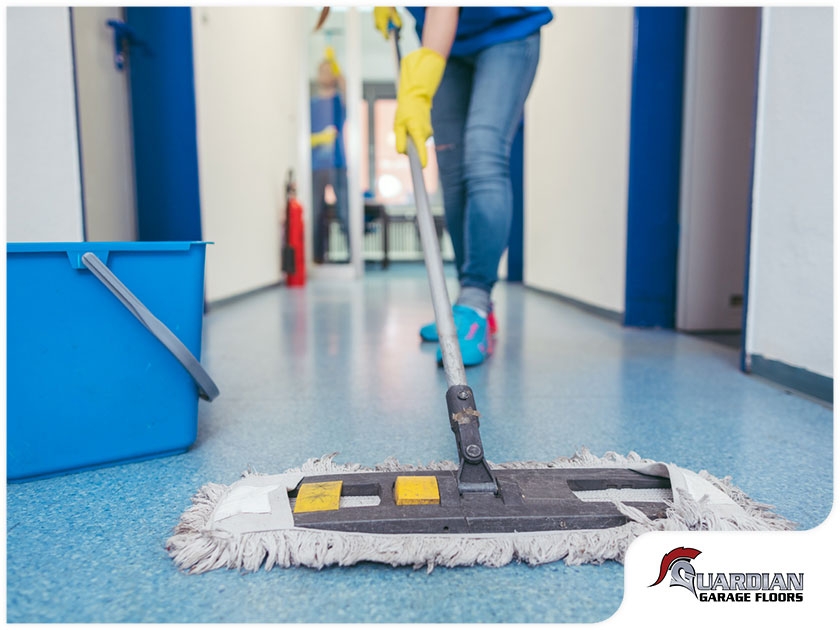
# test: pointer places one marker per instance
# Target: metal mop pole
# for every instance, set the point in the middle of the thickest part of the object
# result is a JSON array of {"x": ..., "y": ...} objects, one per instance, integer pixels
[
  {"x": 474, "y": 474},
  {"x": 453, "y": 364}
]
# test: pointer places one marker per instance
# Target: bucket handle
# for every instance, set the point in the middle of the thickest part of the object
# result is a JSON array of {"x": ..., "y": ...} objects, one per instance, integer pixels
[{"x": 207, "y": 389}]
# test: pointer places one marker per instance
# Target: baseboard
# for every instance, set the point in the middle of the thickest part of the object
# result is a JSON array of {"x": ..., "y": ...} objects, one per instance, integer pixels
[
  {"x": 240, "y": 296},
  {"x": 799, "y": 379},
  {"x": 606, "y": 313}
]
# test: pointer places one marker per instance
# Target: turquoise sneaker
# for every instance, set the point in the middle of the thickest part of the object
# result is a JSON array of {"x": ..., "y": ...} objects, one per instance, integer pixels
[
  {"x": 473, "y": 336},
  {"x": 429, "y": 331}
]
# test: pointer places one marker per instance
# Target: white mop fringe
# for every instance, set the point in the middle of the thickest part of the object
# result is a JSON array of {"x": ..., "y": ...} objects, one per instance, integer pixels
[{"x": 196, "y": 548}]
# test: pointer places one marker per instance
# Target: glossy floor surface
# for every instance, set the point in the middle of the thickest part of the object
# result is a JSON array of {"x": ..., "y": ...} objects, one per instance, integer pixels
[{"x": 339, "y": 367}]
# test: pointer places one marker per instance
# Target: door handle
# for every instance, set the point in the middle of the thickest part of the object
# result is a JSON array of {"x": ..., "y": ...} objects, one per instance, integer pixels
[{"x": 125, "y": 37}]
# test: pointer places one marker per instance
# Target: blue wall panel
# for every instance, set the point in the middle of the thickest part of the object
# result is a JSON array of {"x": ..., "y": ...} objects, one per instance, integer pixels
[
  {"x": 163, "y": 113},
  {"x": 655, "y": 139}
]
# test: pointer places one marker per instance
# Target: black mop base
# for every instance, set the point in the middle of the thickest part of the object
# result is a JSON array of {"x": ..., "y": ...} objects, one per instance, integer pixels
[{"x": 528, "y": 500}]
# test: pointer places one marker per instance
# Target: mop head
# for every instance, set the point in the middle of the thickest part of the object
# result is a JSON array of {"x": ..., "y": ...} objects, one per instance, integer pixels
[{"x": 249, "y": 524}]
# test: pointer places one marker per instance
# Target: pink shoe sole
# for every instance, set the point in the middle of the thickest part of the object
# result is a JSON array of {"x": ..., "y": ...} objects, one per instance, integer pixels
[{"x": 492, "y": 327}]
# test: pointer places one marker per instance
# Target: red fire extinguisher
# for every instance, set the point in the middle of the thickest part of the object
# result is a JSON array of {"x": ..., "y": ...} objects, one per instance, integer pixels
[{"x": 293, "y": 263}]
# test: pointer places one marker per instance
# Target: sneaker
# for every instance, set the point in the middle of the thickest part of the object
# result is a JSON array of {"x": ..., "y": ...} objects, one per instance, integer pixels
[
  {"x": 429, "y": 331},
  {"x": 473, "y": 336}
]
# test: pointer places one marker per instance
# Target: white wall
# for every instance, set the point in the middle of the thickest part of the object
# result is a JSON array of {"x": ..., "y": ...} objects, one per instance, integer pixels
[
  {"x": 247, "y": 79},
  {"x": 789, "y": 310},
  {"x": 577, "y": 133},
  {"x": 43, "y": 194},
  {"x": 718, "y": 121}
]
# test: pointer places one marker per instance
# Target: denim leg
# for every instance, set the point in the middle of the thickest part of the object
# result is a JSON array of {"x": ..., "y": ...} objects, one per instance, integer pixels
[
  {"x": 342, "y": 200},
  {"x": 501, "y": 81},
  {"x": 449, "y": 117},
  {"x": 320, "y": 179}
]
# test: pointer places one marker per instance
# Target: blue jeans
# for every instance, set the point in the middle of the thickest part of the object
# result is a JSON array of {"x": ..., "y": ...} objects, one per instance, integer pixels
[
  {"x": 475, "y": 114},
  {"x": 337, "y": 178}
]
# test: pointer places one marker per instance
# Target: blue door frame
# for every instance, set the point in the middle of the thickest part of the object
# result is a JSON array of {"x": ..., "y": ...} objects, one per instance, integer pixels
[
  {"x": 164, "y": 124},
  {"x": 654, "y": 186}
]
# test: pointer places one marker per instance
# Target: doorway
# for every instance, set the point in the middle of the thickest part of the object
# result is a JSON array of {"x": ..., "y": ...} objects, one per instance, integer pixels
[
  {"x": 136, "y": 123},
  {"x": 717, "y": 161}
]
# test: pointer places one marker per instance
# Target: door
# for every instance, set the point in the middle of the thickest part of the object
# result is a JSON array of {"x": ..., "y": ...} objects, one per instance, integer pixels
[
  {"x": 104, "y": 119},
  {"x": 719, "y": 119}
]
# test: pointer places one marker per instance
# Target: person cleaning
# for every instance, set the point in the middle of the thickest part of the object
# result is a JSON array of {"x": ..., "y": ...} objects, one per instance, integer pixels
[
  {"x": 467, "y": 84},
  {"x": 327, "y": 113}
]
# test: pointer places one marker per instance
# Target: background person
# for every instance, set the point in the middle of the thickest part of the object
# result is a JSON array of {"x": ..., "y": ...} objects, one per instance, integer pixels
[{"x": 327, "y": 113}]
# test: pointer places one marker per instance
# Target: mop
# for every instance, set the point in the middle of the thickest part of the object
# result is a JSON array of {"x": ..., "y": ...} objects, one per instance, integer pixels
[{"x": 579, "y": 509}]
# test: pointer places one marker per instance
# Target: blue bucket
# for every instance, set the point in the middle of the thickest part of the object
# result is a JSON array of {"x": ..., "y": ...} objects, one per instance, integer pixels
[{"x": 102, "y": 340}]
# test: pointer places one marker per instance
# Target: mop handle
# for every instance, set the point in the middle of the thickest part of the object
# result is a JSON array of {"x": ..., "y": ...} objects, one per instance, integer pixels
[{"x": 453, "y": 364}]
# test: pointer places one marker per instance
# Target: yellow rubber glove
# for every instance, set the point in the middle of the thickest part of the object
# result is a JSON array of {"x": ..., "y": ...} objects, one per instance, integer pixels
[
  {"x": 382, "y": 16},
  {"x": 420, "y": 75},
  {"x": 327, "y": 136},
  {"x": 329, "y": 53}
]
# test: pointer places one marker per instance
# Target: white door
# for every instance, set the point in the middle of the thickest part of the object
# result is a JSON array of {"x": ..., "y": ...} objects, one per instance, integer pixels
[{"x": 104, "y": 114}]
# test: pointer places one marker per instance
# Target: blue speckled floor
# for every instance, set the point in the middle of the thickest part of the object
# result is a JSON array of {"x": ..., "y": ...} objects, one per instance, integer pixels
[{"x": 339, "y": 367}]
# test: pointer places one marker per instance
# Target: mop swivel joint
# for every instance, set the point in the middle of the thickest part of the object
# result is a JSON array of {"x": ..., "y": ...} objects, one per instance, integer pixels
[{"x": 474, "y": 475}]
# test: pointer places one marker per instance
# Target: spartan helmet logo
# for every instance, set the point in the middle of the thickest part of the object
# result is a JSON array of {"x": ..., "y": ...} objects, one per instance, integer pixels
[{"x": 678, "y": 561}]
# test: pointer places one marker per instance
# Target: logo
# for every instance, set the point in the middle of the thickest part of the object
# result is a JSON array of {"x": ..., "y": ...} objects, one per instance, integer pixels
[
  {"x": 728, "y": 587},
  {"x": 678, "y": 561}
]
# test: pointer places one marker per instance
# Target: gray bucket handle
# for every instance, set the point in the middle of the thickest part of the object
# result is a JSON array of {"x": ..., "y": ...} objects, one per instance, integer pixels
[{"x": 207, "y": 389}]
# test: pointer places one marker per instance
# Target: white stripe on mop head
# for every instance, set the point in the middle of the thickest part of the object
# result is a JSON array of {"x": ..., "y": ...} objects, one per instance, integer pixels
[
  {"x": 348, "y": 502},
  {"x": 639, "y": 495}
]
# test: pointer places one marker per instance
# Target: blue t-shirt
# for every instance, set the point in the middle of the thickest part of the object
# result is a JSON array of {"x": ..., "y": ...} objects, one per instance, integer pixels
[
  {"x": 324, "y": 112},
  {"x": 482, "y": 27}
]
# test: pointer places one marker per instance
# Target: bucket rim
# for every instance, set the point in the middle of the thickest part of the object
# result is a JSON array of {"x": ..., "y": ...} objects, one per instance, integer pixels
[{"x": 114, "y": 246}]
